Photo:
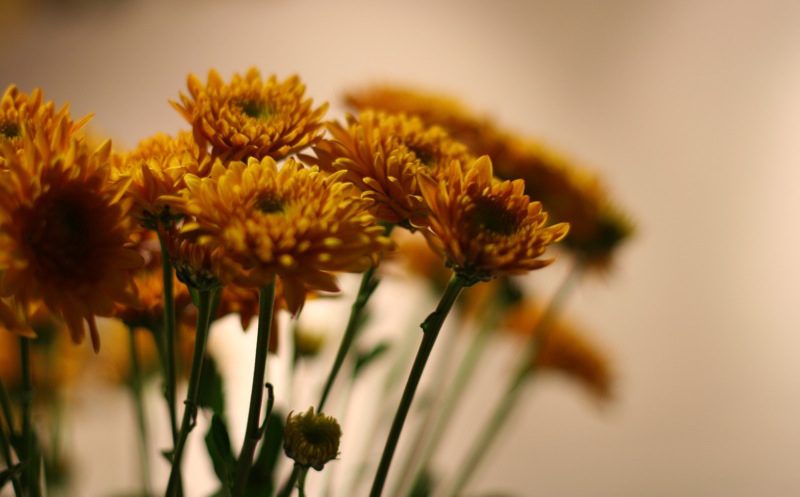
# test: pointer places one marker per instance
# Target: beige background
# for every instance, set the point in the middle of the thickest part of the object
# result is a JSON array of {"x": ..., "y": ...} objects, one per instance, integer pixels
[{"x": 690, "y": 110}]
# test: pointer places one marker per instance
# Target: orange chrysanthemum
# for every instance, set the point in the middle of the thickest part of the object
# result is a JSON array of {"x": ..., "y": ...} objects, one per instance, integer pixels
[
  {"x": 486, "y": 228},
  {"x": 381, "y": 153},
  {"x": 63, "y": 230},
  {"x": 250, "y": 117},
  {"x": 294, "y": 222},
  {"x": 156, "y": 168},
  {"x": 572, "y": 195},
  {"x": 566, "y": 351}
]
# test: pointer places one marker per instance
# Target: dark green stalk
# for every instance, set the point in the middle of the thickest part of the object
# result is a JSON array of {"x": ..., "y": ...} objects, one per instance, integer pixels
[
  {"x": 190, "y": 409},
  {"x": 169, "y": 338},
  {"x": 141, "y": 419},
  {"x": 524, "y": 370},
  {"x": 6, "y": 431},
  {"x": 266, "y": 301},
  {"x": 29, "y": 458},
  {"x": 430, "y": 328},
  {"x": 301, "y": 483}
]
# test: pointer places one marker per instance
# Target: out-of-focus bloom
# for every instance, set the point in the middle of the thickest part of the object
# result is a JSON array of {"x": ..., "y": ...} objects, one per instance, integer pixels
[
  {"x": 311, "y": 439},
  {"x": 18, "y": 110},
  {"x": 307, "y": 343},
  {"x": 63, "y": 230},
  {"x": 566, "y": 350},
  {"x": 295, "y": 223},
  {"x": 250, "y": 117},
  {"x": 477, "y": 132},
  {"x": 571, "y": 195},
  {"x": 114, "y": 362},
  {"x": 381, "y": 153},
  {"x": 156, "y": 167},
  {"x": 485, "y": 228}
]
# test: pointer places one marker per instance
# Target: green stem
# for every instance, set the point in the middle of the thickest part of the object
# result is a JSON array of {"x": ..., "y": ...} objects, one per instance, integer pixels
[
  {"x": 524, "y": 369},
  {"x": 29, "y": 457},
  {"x": 430, "y": 330},
  {"x": 170, "y": 380},
  {"x": 141, "y": 419},
  {"x": 301, "y": 483},
  {"x": 190, "y": 409},
  {"x": 6, "y": 430},
  {"x": 266, "y": 301},
  {"x": 434, "y": 428}
]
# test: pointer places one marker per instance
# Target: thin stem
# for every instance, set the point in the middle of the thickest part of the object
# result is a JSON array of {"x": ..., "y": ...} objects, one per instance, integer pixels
[
  {"x": 141, "y": 419},
  {"x": 430, "y": 330},
  {"x": 266, "y": 301},
  {"x": 524, "y": 369},
  {"x": 190, "y": 409},
  {"x": 301, "y": 482},
  {"x": 30, "y": 459},
  {"x": 288, "y": 485},
  {"x": 170, "y": 379},
  {"x": 6, "y": 430},
  {"x": 434, "y": 428}
]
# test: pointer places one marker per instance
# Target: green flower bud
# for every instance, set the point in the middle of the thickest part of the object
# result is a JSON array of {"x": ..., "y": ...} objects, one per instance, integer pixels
[{"x": 311, "y": 439}]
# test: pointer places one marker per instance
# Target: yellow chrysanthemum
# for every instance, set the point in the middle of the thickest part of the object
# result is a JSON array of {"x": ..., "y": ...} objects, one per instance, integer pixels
[
  {"x": 486, "y": 228},
  {"x": 572, "y": 195},
  {"x": 294, "y": 222},
  {"x": 156, "y": 168},
  {"x": 566, "y": 350},
  {"x": 381, "y": 153},
  {"x": 18, "y": 110},
  {"x": 477, "y": 132},
  {"x": 250, "y": 117},
  {"x": 63, "y": 230}
]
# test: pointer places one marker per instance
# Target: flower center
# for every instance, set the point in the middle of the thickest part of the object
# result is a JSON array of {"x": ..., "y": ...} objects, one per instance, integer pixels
[
  {"x": 9, "y": 129},
  {"x": 270, "y": 205},
  {"x": 424, "y": 154},
  {"x": 492, "y": 216},
  {"x": 256, "y": 109}
]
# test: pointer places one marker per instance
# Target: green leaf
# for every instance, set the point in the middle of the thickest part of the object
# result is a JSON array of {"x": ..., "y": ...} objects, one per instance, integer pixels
[
  {"x": 211, "y": 395},
  {"x": 262, "y": 476},
  {"x": 364, "y": 359},
  {"x": 218, "y": 444}
]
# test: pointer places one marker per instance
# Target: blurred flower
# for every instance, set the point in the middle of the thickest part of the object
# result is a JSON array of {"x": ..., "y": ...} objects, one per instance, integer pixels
[
  {"x": 293, "y": 222},
  {"x": 307, "y": 343},
  {"x": 566, "y": 350},
  {"x": 250, "y": 117},
  {"x": 114, "y": 361},
  {"x": 486, "y": 228},
  {"x": 381, "y": 153},
  {"x": 311, "y": 439},
  {"x": 63, "y": 230}
]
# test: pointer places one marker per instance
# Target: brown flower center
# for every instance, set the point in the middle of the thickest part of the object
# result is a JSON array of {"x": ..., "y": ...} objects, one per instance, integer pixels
[
  {"x": 256, "y": 109},
  {"x": 9, "y": 129},
  {"x": 270, "y": 205},
  {"x": 492, "y": 216},
  {"x": 424, "y": 154}
]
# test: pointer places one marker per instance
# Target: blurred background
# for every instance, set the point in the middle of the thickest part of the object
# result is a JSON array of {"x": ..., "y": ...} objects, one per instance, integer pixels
[{"x": 689, "y": 110}]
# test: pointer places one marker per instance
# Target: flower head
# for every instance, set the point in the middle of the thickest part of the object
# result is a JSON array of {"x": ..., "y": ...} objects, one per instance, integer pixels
[
  {"x": 295, "y": 223},
  {"x": 486, "y": 228},
  {"x": 63, "y": 230},
  {"x": 311, "y": 439},
  {"x": 250, "y": 116},
  {"x": 381, "y": 153}
]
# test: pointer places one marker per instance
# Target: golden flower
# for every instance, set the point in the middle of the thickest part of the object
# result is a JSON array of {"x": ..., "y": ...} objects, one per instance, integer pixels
[
  {"x": 381, "y": 153},
  {"x": 18, "y": 110},
  {"x": 311, "y": 439},
  {"x": 572, "y": 195},
  {"x": 250, "y": 117},
  {"x": 295, "y": 223},
  {"x": 156, "y": 168},
  {"x": 485, "y": 228},
  {"x": 566, "y": 350},
  {"x": 114, "y": 362},
  {"x": 477, "y": 132},
  {"x": 63, "y": 230}
]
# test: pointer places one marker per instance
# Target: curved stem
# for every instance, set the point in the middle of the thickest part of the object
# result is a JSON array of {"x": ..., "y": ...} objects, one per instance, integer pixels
[
  {"x": 190, "y": 409},
  {"x": 141, "y": 418},
  {"x": 170, "y": 379},
  {"x": 430, "y": 328},
  {"x": 266, "y": 300},
  {"x": 524, "y": 369}
]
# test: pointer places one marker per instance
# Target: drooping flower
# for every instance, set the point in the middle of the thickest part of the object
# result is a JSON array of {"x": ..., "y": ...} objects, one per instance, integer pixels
[
  {"x": 250, "y": 116},
  {"x": 311, "y": 439},
  {"x": 381, "y": 153},
  {"x": 63, "y": 230},
  {"x": 295, "y": 223},
  {"x": 486, "y": 228}
]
